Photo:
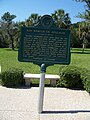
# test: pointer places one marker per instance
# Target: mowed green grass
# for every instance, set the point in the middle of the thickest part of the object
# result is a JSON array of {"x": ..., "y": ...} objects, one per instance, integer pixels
[
  {"x": 80, "y": 59},
  {"x": 9, "y": 59}
]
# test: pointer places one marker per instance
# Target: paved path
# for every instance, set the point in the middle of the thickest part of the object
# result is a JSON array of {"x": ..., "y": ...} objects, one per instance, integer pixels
[{"x": 59, "y": 104}]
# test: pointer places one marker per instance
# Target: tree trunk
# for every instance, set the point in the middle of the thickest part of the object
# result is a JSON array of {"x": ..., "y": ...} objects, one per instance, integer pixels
[
  {"x": 84, "y": 45},
  {"x": 11, "y": 38},
  {"x": 12, "y": 42}
]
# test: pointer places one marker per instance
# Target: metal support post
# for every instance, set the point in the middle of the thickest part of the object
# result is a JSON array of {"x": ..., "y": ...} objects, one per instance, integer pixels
[{"x": 41, "y": 88}]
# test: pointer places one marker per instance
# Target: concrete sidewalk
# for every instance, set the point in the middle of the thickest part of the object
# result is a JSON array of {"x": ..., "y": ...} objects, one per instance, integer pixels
[{"x": 59, "y": 104}]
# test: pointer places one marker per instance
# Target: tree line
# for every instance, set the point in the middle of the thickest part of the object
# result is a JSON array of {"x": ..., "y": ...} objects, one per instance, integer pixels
[{"x": 80, "y": 32}]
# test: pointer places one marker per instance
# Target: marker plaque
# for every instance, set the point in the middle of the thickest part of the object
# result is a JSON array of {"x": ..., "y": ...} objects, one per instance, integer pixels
[{"x": 45, "y": 43}]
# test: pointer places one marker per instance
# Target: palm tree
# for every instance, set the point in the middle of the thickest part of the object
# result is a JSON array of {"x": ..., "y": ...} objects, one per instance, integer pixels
[
  {"x": 61, "y": 19},
  {"x": 33, "y": 19}
]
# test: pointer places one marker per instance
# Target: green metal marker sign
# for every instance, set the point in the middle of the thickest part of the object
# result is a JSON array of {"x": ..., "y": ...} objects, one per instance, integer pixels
[{"x": 44, "y": 43}]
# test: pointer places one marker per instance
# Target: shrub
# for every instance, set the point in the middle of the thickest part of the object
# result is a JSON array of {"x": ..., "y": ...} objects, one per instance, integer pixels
[
  {"x": 85, "y": 76},
  {"x": 12, "y": 77},
  {"x": 0, "y": 75},
  {"x": 0, "y": 79},
  {"x": 70, "y": 76},
  {"x": 87, "y": 85}
]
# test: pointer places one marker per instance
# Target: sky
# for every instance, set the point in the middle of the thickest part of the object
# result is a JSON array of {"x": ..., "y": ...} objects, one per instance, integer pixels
[{"x": 24, "y": 8}]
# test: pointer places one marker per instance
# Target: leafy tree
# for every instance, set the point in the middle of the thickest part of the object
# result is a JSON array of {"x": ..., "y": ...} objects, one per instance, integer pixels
[
  {"x": 16, "y": 34},
  {"x": 86, "y": 14},
  {"x": 61, "y": 19},
  {"x": 3, "y": 35},
  {"x": 75, "y": 41},
  {"x": 7, "y": 18},
  {"x": 84, "y": 32},
  {"x": 84, "y": 27},
  {"x": 80, "y": 35},
  {"x": 86, "y": 1}
]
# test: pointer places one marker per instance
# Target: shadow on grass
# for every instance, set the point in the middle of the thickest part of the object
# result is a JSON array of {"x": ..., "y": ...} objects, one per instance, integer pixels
[
  {"x": 46, "y": 85},
  {"x": 10, "y": 49},
  {"x": 77, "y": 89},
  {"x": 18, "y": 87},
  {"x": 37, "y": 85},
  {"x": 66, "y": 112},
  {"x": 25, "y": 87},
  {"x": 80, "y": 49},
  {"x": 81, "y": 52}
]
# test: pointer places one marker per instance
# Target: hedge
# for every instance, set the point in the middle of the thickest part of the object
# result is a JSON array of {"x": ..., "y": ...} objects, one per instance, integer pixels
[
  {"x": 74, "y": 77},
  {"x": 12, "y": 77}
]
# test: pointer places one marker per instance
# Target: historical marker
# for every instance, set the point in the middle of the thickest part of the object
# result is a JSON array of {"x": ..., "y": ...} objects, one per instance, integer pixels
[{"x": 44, "y": 45}]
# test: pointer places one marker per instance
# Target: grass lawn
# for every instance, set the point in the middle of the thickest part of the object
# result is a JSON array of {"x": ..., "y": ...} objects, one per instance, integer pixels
[
  {"x": 9, "y": 58},
  {"x": 80, "y": 59}
]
